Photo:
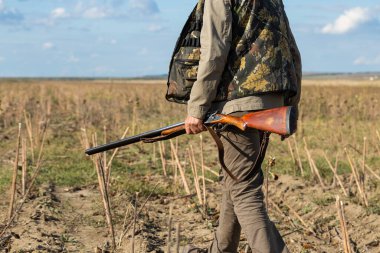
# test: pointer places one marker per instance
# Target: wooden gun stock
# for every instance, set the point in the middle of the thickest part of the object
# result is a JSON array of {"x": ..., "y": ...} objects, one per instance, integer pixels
[{"x": 281, "y": 120}]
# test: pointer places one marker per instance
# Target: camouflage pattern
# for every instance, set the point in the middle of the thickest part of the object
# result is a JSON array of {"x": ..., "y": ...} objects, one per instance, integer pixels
[{"x": 263, "y": 57}]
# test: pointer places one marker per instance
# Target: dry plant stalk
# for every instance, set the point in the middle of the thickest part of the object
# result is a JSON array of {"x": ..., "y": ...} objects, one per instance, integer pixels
[
  {"x": 105, "y": 197},
  {"x": 304, "y": 224},
  {"x": 161, "y": 145},
  {"x": 125, "y": 231},
  {"x": 203, "y": 175},
  {"x": 336, "y": 170},
  {"x": 372, "y": 172},
  {"x": 209, "y": 169},
  {"x": 128, "y": 209},
  {"x": 134, "y": 118},
  {"x": 154, "y": 154},
  {"x": 181, "y": 170},
  {"x": 316, "y": 170},
  {"x": 109, "y": 164},
  {"x": 313, "y": 167},
  {"x": 173, "y": 163},
  {"x": 278, "y": 209},
  {"x": 335, "y": 174},
  {"x": 291, "y": 152},
  {"x": 134, "y": 224},
  {"x": 178, "y": 239},
  {"x": 309, "y": 159},
  {"x": 175, "y": 168},
  {"x": 24, "y": 166},
  {"x": 14, "y": 179},
  {"x": 84, "y": 138},
  {"x": 363, "y": 177},
  {"x": 356, "y": 177},
  {"x": 105, "y": 156},
  {"x": 343, "y": 225},
  {"x": 117, "y": 149},
  {"x": 104, "y": 191},
  {"x": 28, "y": 125},
  {"x": 208, "y": 180},
  {"x": 195, "y": 174},
  {"x": 176, "y": 145},
  {"x": 298, "y": 156},
  {"x": 169, "y": 229},
  {"x": 32, "y": 180}
]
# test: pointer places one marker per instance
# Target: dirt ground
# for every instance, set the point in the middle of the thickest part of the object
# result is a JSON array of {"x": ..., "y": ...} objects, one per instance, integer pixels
[{"x": 71, "y": 220}]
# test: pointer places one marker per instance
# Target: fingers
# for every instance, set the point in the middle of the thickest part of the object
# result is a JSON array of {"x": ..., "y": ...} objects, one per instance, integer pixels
[{"x": 194, "y": 125}]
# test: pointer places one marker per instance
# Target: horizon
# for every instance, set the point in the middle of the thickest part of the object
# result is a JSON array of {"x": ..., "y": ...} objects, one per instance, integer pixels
[{"x": 369, "y": 74}]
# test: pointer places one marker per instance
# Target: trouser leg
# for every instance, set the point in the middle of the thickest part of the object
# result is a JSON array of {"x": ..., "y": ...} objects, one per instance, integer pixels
[
  {"x": 262, "y": 235},
  {"x": 227, "y": 235},
  {"x": 242, "y": 158}
]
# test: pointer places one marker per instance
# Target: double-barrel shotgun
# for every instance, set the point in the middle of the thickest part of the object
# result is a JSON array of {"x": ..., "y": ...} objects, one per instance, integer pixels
[{"x": 281, "y": 120}]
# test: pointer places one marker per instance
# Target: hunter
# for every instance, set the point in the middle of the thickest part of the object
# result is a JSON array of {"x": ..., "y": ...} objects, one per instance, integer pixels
[{"x": 232, "y": 57}]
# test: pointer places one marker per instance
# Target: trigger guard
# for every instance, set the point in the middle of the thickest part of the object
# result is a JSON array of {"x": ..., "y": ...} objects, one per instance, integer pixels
[{"x": 218, "y": 128}]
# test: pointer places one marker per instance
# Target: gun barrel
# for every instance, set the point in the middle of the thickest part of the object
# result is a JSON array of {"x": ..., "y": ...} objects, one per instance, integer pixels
[{"x": 129, "y": 140}]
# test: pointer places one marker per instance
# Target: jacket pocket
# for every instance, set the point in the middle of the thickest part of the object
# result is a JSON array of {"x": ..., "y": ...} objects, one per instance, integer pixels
[
  {"x": 188, "y": 70},
  {"x": 183, "y": 73}
]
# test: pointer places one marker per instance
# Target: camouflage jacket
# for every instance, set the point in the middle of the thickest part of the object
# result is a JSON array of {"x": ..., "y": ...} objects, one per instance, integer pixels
[{"x": 263, "y": 57}]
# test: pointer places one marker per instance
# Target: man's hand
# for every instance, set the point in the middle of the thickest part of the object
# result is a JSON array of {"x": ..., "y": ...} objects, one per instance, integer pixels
[{"x": 194, "y": 125}]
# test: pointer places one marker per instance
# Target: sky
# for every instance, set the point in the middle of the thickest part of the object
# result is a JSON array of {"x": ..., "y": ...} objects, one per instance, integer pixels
[{"x": 130, "y": 38}]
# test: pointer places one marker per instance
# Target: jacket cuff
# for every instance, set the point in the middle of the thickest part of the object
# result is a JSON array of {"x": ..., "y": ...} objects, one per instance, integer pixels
[{"x": 198, "y": 112}]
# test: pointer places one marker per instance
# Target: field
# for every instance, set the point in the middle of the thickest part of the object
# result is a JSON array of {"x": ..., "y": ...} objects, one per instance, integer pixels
[{"x": 336, "y": 152}]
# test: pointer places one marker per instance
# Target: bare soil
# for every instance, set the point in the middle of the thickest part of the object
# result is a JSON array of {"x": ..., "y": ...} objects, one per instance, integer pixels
[{"x": 72, "y": 220}]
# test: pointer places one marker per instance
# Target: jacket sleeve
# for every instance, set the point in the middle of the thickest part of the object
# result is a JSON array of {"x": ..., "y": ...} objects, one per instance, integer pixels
[{"x": 215, "y": 40}]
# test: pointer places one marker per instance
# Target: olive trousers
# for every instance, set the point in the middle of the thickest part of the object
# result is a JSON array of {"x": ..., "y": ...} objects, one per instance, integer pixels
[{"x": 242, "y": 207}]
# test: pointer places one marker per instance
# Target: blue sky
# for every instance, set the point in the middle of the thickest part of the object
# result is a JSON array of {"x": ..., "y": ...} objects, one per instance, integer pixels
[{"x": 126, "y": 38}]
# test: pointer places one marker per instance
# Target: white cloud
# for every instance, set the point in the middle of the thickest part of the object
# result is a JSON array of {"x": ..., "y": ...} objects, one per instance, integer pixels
[
  {"x": 55, "y": 15},
  {"x": 9, "y": 15},
  {"x": 95, "y": 12},
  {"x": 59, "y": 13},
  {"x": 2, "y": 59},
  {"x": 348, "y": 21},
  {"x": 107, "y": 40},
  {"x": 116, "y": 3},
  {"x": 155, "y": 28},
  {"x": 79, "y": 6},
  {"x": 113, "y": 8},
  {"x": 47, "y": 45},
  {"x": 143, "y": 6},
  {"x": 73, "y": 59},
  {"x": 143, "y": 51},
  {"x": 366, "y": 61}
]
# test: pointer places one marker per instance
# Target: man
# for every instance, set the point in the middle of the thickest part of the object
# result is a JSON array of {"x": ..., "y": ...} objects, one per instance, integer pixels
[{"x": 248, "y": 60}]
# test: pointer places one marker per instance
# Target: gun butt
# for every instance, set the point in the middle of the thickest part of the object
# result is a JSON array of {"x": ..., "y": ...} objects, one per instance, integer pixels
[{"x": 281, "y": 120}]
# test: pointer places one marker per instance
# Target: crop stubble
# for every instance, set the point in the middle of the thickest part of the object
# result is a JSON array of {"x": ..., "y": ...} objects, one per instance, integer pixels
[{"x": 332, "y": 118}]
